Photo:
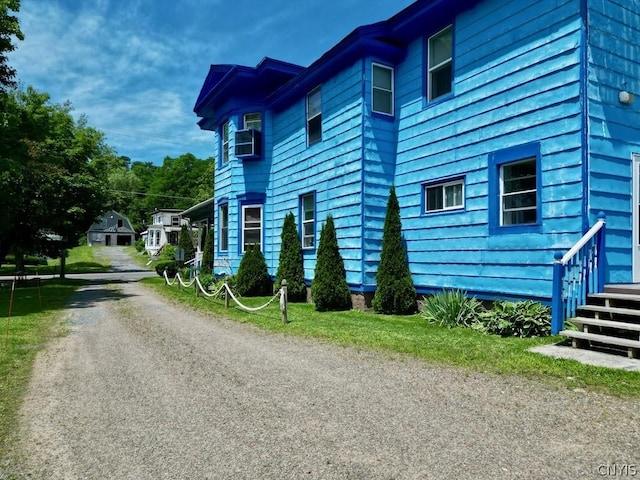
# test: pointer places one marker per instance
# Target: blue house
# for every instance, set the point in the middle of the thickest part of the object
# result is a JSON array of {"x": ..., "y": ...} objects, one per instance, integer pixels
[{"x": 506, "y": 126}]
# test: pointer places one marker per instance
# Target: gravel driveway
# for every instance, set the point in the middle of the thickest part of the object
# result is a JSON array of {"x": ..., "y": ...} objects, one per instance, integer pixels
[{"x": 141, "y": 389}]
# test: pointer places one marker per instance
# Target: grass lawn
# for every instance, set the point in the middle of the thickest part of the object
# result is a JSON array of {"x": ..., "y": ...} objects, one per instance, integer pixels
[
  {"x": 34, "y": 319},
  {"x": 80, "y": 260},
  {"x": 411, "y": 335}
]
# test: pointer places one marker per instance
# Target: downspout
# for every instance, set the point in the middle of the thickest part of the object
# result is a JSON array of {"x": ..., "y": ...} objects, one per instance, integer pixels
[{"x": 584, "y": 100}]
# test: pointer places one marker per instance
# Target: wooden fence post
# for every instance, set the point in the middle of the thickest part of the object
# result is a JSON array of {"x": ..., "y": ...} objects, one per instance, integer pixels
[{"x": 283, "y": 301}]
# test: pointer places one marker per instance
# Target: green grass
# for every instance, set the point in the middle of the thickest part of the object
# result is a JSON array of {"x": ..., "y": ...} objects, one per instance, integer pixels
[
  {"x": 413, "y": 336},
  {"x": 80, "y": 260},
  {"x": 34, "y": 319}
]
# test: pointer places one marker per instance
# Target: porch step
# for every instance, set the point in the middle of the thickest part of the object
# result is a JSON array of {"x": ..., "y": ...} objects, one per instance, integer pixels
[
  {"x": 633, "y": 346},
  {"x": 609, "y": 320}
]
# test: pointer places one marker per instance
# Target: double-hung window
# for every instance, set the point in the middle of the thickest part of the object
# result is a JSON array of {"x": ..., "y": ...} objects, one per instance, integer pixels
[
  {"x": 251, "y": 227},
  {"x": 444, "y": 196},
  {"x": 440, "y": 68},
  {"x": 223, "y": 221},
  {"x": 382, "y": 89},
  {"x": 225, "y": 143},
  {"x": 515, "y": 189},
  {"x": 518, "y": 193},
  {"x": 314, "y": 116},
  {"x": 308, "y": 211},
  {"x": 253, "y": 121}
]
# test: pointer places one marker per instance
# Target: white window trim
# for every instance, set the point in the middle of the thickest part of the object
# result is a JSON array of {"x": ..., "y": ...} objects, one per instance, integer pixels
[
  {"x": 225, "y": 142},
  {"x": 311, "y": 221},
  {"x": 244, "y": 228},
  {"x": 319, "y": 114},
  {"x": 224, "y": 228},
  {"x": 246, "y": 124},
  {"x": 392, "y": 91},
  {"x": 444, "y": 185},
  {"x": 432, "y": 68},
  {"x": 520, "y": 192}
]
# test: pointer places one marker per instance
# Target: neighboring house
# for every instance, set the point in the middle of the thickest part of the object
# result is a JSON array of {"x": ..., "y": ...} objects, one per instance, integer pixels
[
  {"x": 112, "y": 229},
  {"x": 164, "y": 229},
  {"x": 200, "y": 217},
  {"x": 506, "y": 126}
]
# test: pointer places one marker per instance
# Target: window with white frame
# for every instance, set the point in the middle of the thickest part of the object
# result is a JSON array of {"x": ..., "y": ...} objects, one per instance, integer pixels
[
  {"x": 223, "y": 221},
  {"x": 253, "y": 121},
  {"x": 225, "y": 143},
  {"x": 518, "y": 193},
  {"x": 382, "y": 89},
  {"x": 251, "y": 226},
  {"x": 314, "y": 116},
  {"x": 444, "y": 196},
  {"x": 440, "y": 66},
  {"x": 308, "y": 211},
  {"x": 175, "y": 221}
]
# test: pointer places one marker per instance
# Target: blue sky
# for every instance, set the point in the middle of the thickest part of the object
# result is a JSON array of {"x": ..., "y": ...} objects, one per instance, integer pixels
[{"x": 135, "y": 68}]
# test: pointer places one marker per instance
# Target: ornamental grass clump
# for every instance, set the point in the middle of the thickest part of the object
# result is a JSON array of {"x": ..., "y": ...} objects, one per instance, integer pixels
[{"x": 452, "y": 308}]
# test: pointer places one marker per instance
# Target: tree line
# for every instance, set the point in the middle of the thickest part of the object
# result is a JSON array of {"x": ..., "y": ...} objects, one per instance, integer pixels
[{"x": 58, "y": 175}]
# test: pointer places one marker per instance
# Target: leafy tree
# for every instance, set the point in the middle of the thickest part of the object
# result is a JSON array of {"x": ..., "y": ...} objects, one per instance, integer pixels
[
  {"x": 290, "y": 266},
  {"x": 395, "y": 292},
  {"x": 9, "y": 28},
  {"x": 253, "y": 277},
  {"x": 207, "y": 255},
  {"x": 185, "y": 241},
  {"x": 329, "y": 288},
  {"x": 46, "y": 175}
]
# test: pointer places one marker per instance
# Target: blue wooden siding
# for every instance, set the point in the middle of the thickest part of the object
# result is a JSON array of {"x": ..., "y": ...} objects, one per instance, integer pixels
[
  {"x": 614, "y": 128},
  {"x": 512, "y": 86},
  {"x": 522, "y": 76},
  {"x": 332, "y": 168}
]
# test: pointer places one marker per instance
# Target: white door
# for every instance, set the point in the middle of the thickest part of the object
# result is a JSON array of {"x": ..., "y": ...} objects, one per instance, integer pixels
[{"x": 636, "y": 217}]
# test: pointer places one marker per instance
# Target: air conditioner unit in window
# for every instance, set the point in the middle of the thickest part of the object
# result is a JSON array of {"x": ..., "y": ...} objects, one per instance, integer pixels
[{"x": 248, "y": 143}]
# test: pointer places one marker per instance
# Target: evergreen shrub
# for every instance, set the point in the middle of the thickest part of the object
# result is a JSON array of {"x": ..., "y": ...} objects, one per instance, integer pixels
[
  {"x": 253, "y": 279},
  {"x": 206, "y": 268},
  {"x": 395, "y": 293},
  {"x": 290, "y": 264},
  {"x": 329, "y": 288},
  {"x": 170, "y": 265}
]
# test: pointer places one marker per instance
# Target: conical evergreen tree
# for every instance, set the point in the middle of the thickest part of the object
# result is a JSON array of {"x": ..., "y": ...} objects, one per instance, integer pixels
[
  {"x": 206, "y": 268},
  {"x": 395, "y": 292},
  {"x": 253, "y": 277},
  {"x": 290, "y": 266},
  {"x": 185, "y": 241},
  {"x": 329, "y": 289}
]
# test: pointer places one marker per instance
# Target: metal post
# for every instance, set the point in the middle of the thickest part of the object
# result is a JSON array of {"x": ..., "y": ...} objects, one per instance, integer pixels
[{"x": 283, "y": 301}]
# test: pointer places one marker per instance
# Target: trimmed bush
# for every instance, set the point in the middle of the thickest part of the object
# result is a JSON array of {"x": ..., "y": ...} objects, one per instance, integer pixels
[
  {"x": 395, "y": 293},
  {"x": 206, "y": 268},
  {"x": 140, "y": 246},
  {"x": 170, "y": 265},
  {"x": 290, "y": 266},
  {"x": 329, "y": 289},
  {"x": 253, "y": 278},
  {"x": 452, "y": 308}
]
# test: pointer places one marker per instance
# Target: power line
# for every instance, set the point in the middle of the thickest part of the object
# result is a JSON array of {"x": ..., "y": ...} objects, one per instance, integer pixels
[{"x": 151, "y": 194}]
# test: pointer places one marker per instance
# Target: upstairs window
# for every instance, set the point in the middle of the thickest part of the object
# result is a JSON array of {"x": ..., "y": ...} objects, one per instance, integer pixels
[
  {"x": 225, "y": 143},
  {"x": 440, "y": 67},
  {"x": 175, "y": 221},
  {"x": 308, "y": 208},
  {"x": 382, "y": 89},
  {"x": 253, "y": 121},
  {"x": 314, "y": 116}
]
